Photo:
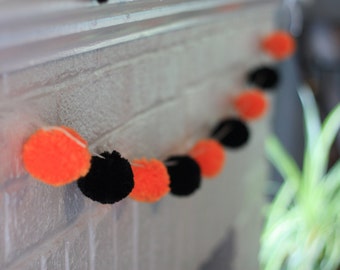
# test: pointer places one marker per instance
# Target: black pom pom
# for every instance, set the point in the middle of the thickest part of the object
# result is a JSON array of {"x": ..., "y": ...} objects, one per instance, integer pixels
[
  {"x": 264, "y": 77},
  {"x": 185, "y": 175},
  {"x": 231, "y": 132},
  {"x": 109, "y": 180}
]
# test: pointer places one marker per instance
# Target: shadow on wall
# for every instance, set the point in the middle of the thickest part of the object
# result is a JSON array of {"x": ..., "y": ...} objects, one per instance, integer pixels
[
  {"x": 222, "y": 256},
  {"x": 74, "y": 202}
]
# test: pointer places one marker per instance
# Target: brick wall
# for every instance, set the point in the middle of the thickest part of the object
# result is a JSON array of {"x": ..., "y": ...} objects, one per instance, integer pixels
[{"x": 151, "y": 95}]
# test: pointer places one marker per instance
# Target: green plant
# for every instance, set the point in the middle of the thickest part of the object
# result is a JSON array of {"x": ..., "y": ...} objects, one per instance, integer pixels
[{"x": 302, "y": 229}]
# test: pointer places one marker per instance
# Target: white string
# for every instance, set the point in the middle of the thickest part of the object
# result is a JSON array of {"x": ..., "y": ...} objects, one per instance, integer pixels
[
  {"x": 68, "y": 134},
  {"x": 222, "y": 133}
]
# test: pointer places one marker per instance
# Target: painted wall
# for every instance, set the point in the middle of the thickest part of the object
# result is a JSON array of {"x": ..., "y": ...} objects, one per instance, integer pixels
[{"x": 146, "y": 84}]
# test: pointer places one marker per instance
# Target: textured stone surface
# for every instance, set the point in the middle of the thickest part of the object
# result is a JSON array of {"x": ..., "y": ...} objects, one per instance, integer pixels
[
  {"x": 223, "y": 257},
  {"x": 150, "y": 97}
]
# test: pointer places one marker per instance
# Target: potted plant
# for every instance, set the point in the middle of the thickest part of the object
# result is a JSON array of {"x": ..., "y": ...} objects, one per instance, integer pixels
[{"x": 302, "y": 228}]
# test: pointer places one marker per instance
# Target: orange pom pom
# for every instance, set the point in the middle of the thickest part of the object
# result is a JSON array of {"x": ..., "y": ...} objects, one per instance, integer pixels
[
  {"x": 210, "y": 156},
  {"x": 279, "y": 45},
  {"x": 251, "y": 104},
  {"x": 152, "y": 180},
  {"x": 56, "y": 156}
]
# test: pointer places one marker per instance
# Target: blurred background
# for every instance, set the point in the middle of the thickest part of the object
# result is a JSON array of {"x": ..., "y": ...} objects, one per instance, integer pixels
[{"x": 316, "y": 26}]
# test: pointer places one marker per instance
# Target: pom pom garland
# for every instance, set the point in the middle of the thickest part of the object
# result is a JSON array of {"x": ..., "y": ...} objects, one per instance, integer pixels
[
  {"x": 109, "y": 180},
  {"x": 185, "y": 175},
  {"x": 251, "y": 104},
  {"x": 264, "y": 77},
  {"x": 210, "y": 156},
  {"x": 231, "y": 132},
  {"x": 151, "y": 180},
  {"x": 279, "y": 45},
  {"x": 56, "y": 156}
]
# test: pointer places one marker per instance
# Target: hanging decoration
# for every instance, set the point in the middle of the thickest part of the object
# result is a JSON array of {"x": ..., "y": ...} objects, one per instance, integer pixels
[
  {"x": 152, "y": 181},
  {"x": 56, "y": 155},
  {"x": 231, "y": 132},
  {"x": 109, "y": 180},
  {"x": 251, "y": 104},
  {"x": 264, "y": 77},
  {"x": 210, "y": 156},
  {"x": 185, "y": 175},
  {"x": 59, "y": 155},
  {"x": 279, "y": 45}
]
